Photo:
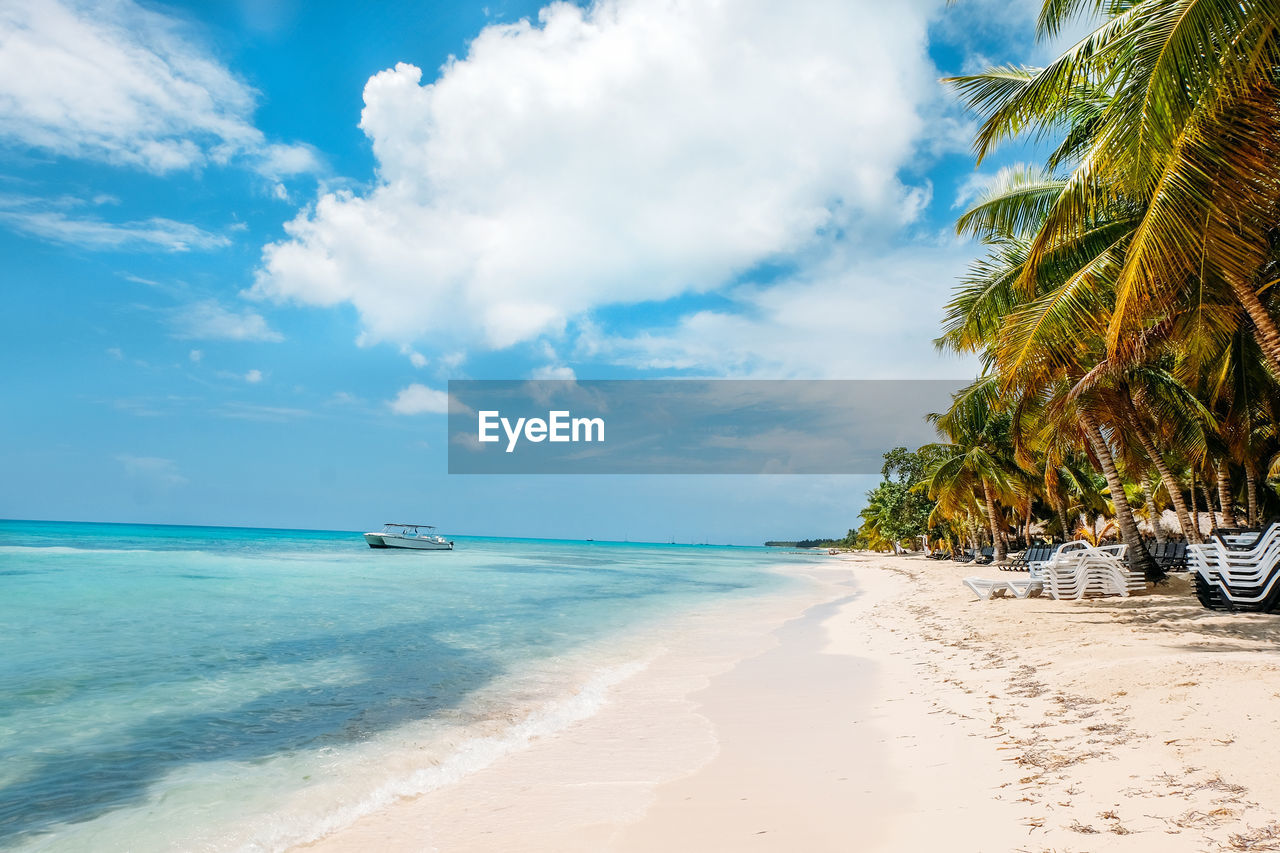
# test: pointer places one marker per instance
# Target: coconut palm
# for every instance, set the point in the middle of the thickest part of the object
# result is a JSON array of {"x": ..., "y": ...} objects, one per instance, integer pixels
[
  {"x": 977, "y": 461},
  {"x": 1170, "y": 109}
]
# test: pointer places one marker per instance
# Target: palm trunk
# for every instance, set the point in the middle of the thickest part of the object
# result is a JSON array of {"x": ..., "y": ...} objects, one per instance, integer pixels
[
  {"x": 1166, "y": 476},
  {"x": 1251, "y": 481},
  {"x": 1148, "y": 489},
  {"x": 1265, "y": 331},
  {"x": 997, "y": 541},
  {"x": 1139, "y": 558},
  {"x": 1195, "y": 509},
  {"x": 1208, "y": 505},
  {"x": 1224, "y": 495},
  {"x": 1061, "y": 509}
]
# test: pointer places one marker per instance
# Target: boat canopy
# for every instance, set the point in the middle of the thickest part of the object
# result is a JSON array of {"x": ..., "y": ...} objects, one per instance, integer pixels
[{"x": 395, "y": 524}]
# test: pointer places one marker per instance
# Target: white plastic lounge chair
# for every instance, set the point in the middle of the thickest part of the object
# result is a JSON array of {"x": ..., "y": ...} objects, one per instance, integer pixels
[
  {"x": 1082, "y": 570},
  {"x": 1238, "y": 571},
  {"x": 988, "y": 588}
]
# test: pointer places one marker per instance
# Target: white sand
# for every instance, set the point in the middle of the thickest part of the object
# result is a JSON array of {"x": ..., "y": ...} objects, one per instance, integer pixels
[{"x": 893, "y": 712}]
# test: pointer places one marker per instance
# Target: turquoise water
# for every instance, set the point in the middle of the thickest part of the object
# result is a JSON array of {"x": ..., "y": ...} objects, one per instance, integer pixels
[{"x": 170, "y": 688}]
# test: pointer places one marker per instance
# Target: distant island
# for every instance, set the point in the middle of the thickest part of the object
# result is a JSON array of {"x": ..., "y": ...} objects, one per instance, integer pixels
[{"x": 809, "y": 543}]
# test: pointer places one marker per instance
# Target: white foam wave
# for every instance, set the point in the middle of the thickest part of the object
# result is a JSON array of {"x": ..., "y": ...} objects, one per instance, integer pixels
[{"x": 469, "y": 757}]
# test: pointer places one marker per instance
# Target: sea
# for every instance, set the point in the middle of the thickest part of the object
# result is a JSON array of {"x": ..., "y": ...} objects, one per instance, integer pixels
[{"x": 170, "y": 688}]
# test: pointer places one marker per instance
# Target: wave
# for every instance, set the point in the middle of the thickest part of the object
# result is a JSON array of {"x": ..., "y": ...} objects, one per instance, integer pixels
[{"x": 470, "y": 756}]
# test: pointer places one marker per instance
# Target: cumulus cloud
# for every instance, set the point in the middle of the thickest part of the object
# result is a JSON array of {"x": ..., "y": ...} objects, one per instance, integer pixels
[
  {"x": 109, "y": 80},
  {"x": 417, "y": 399},
  {"x": 253, "y": 377},
  {"x": 631, "y": 151},
  {"x": 210, "y": 320}
]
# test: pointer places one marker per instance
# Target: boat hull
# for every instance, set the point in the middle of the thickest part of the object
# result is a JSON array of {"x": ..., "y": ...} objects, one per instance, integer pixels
[{"x": 409, "y": 543}]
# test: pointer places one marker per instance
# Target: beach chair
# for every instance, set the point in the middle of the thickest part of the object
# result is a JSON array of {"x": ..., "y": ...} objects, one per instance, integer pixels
[
  {"x": 1034, "y": 554},
  {"x": 1170, "y": 556},
  {"x": 1041, "y": 557},
  {"x": 1080, "y": 570},
  {"x": 1014, "y": 562},
  {"x": 988, "y": 588},
  {"x": 1238, "y": 569}
]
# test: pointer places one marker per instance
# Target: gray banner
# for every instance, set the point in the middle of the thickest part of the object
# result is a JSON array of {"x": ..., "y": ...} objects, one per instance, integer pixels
[{"x": 687, "y": 426}]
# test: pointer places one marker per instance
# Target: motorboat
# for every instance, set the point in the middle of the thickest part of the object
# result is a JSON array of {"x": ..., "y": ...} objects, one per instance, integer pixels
[{"x": 416, "y": 537}]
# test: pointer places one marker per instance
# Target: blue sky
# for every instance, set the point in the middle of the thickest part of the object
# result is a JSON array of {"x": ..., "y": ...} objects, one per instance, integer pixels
[{"x": 233, "y": 298}]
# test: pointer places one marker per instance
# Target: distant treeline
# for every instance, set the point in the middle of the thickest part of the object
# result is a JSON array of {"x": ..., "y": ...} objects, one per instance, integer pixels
[{"x": 809, "y": 543}]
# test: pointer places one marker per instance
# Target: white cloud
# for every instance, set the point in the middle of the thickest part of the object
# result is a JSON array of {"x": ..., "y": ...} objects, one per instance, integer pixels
[
  {"x": 116, "y": 353},
  {"x": 283, "y": 161},
  {"x": 195, "y": 355},
  {"x": 417, "y": 399},
  {"x": 48, "y": 220},
  {"x": 253, "y": 377},
  {"x": 553, "y": 371},
  {"x": 209, "y": 320},
  {"x": 845, "y": 319},
  {"x": 416, "y": 358},
  {"x": 112, "y": 81},
  {"x": 631, "y": 151},
  {"x": 970, "y": 188}
]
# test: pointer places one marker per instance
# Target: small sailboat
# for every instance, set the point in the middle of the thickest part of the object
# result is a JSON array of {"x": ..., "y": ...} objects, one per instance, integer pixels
[{"x": 416, "y": 537}]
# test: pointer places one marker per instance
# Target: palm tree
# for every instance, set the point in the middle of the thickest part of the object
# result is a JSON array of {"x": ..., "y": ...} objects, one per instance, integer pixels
[
  {"x": 977, "y": 459},
  {"x": 1171, "y": 110},
  {"x": 1123, "y": 311}
]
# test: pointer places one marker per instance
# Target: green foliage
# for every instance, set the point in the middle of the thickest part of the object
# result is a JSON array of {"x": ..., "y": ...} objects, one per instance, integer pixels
[{"x": 897, "y": 509}]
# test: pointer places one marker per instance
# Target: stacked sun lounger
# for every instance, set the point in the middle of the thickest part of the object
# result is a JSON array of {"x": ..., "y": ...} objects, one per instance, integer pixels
[
  {"x": 1074, "y": 570},
  {"x": 1080, "y": 570},
  {"x": 1238, "y": 569}
]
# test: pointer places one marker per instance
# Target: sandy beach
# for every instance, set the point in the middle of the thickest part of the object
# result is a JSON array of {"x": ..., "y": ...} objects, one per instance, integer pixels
[{"x": 885, "y": 709}]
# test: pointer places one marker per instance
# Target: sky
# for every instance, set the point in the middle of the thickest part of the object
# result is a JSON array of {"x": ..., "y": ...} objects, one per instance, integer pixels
[{"x": 246, "y": 244}]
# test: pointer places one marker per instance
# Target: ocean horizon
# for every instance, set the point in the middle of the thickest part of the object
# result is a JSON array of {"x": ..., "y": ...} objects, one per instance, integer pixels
[{"x": 172, "y": 687}]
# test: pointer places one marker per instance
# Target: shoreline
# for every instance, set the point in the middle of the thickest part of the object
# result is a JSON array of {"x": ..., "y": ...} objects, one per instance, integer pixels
[
  {"x": 575, "y": 789},
  {"x": 887, "y": 710}
]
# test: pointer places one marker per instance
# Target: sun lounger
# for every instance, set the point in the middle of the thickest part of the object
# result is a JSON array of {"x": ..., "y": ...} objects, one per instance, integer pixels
[
  {"x": 1023, "y": 561},
  {"x": 1014, "y": 562},
  {"x": 988, "y": 588},
  {"x": 1238, "y": 569},
  {"x": 1080, "y": 570}
]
